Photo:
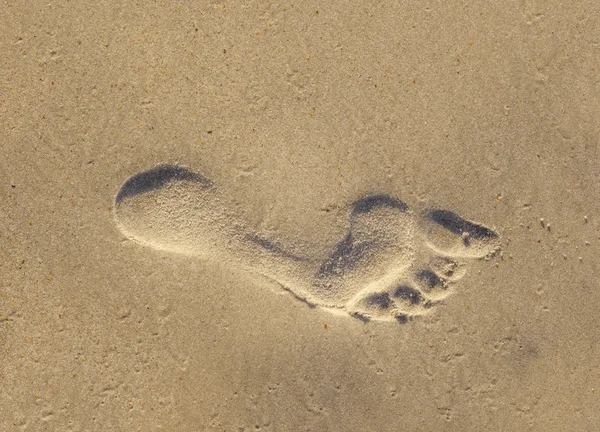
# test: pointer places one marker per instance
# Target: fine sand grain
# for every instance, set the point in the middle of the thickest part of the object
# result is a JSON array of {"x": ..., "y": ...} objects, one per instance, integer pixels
[{"x": 313, "y": 216}]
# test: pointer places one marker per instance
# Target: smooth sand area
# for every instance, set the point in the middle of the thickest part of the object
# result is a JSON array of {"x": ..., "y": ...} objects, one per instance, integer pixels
[{"x": 325, "y": 216}]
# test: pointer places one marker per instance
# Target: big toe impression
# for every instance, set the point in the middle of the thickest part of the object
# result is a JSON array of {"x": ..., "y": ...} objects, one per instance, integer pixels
[{"x": 451, "y": 235}]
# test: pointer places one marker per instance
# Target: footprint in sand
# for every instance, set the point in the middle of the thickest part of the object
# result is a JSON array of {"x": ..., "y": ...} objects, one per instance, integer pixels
[{"x": 391, "y": 265}]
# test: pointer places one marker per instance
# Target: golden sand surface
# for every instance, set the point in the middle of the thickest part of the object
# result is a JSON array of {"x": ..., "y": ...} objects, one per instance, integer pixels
[{"x": 312, "y": 216}]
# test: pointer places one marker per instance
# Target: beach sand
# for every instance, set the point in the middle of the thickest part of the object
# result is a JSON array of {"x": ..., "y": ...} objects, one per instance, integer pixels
[{"x": 326, "y": 216}]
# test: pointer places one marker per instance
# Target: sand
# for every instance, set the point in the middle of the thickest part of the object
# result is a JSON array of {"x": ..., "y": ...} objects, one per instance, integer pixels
[{"x": 324, "y": 216}]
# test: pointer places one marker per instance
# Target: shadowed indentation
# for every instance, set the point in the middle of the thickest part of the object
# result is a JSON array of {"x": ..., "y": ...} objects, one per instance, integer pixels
[
  {"x": 379, "y": 300},
  {"x": 402, "y": 318},
  {"x": 446, "y": 267},
  {"x": 360, "y": 275},
  {"x": 405, "y": 292},
  {"x": 454, "y": 223},
  {"x": 365, "y": 319},
  {"x": 293, "y": 293},
  {"x": 156, "y": 178},
  {"x": 431, "y": 303},
  {"x": 367, "y": 204},
  {"x": 430, "y": 279},
  {"x": 344, "y": 256},
  {"x": 270, "y": 246}
]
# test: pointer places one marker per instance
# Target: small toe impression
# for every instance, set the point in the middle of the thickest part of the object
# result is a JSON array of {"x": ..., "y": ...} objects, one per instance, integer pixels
[
  {"x": 378, "y": 301},
  {"x": 376, "y": 306},
  {"x": 432, "y": 285},
  {"x": 402, "y": 318},
  {"x": 410, "y": 302},
  {"x": 407, "y": 295},
  {"x": 449, "y": 234},
  {"x": 447, "y": 268},
  {"x": 156, "y": 178}
]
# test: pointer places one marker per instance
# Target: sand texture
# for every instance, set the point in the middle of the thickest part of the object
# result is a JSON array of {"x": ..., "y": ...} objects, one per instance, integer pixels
[{"x": 324, "y": 216}]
